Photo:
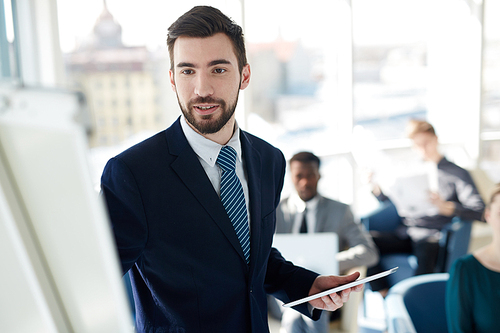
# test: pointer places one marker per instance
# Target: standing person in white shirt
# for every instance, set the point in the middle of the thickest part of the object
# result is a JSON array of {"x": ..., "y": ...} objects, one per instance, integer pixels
[{"x": 306, "y": 211}]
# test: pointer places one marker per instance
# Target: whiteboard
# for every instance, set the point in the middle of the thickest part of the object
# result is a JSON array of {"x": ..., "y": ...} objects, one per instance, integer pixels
[{"x": 56, "y": 242}]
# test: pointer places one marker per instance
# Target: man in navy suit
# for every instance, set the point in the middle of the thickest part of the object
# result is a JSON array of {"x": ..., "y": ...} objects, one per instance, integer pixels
[{"x": 188, "y": 270}]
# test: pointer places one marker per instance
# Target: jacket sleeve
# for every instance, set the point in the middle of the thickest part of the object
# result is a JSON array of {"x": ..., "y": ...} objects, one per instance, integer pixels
[
  {"x": 126, "y": 211},
  {"x": 470, "y": 205},
  {"x": 288, "y": 282},
  {"x": 358, "y": 248}
]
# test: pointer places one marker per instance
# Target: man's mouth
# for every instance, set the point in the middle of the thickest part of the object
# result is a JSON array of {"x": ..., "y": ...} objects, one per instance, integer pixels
[{"x": 204, "y": 108}]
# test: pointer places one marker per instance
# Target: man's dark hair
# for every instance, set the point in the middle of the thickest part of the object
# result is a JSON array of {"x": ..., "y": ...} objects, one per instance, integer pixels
[
  {"x": 206, "y": 21},
  {"x": 305, "y": 157}
]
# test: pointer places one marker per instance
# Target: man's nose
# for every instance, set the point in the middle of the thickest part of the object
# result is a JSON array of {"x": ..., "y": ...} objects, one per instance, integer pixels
[
  {"x": 304, "y": 182},
  {"x": 203, "y": 85}
]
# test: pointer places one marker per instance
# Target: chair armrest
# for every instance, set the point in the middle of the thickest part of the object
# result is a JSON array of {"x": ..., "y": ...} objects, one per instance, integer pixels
[
  {"x": 398, "y": 319},
  {"x": 424, "y": 296}
]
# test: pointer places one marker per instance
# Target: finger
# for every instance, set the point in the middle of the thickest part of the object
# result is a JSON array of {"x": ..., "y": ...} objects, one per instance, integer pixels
[
  {"x": 329, "y": 304},
  {"x": 337, "y": 299},
  {"x": 348, "y": 278},
  {"x": 344, "y": 295},
  {"x": 332, "y": 302},
  {"x": 357, "y": 288}
]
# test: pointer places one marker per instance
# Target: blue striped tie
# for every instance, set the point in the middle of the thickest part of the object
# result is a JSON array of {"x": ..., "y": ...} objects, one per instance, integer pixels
[{"x": 233, "y": 199}]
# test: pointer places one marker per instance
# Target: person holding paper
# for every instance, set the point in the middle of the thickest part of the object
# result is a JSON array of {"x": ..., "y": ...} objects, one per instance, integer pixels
[
  {"x": 193, "y": 207},
  {"x": 457, "y": 195},
  {"x": 473, "y": 290},
  {"x": 306, "y": 211}
]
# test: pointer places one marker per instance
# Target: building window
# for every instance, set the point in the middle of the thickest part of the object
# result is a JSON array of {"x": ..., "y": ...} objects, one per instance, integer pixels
[
  {"x": 101, "y": 122},
  {"x": 98, "y": 84}
]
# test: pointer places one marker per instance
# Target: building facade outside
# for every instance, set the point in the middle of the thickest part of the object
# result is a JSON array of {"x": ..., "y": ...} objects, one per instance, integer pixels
[{"x": 125, "y": 86}]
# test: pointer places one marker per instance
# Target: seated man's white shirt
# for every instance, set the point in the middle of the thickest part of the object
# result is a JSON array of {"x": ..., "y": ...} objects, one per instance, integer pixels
[{"x": 300, "y": 206}]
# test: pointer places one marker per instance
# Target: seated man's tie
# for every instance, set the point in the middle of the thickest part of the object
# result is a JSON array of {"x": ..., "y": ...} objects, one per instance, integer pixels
[{"x": 303, "y": 226}]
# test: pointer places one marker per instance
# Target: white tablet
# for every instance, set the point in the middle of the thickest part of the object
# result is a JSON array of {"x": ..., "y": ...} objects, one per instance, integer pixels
[{"x": 340, "y": 288}]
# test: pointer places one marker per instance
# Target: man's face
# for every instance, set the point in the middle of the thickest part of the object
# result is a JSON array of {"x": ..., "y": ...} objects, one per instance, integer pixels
[
  {"x": 305, "y": 177},
  {"x": 426, "y": 145},
  {"x": 207, "y": 81}
]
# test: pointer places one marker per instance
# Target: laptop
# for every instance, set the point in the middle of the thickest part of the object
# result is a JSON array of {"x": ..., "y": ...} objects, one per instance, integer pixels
[{"x": 312, "y": 251}]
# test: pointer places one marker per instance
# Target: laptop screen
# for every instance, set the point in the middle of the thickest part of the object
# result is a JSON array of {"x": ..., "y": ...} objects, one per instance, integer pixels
[{"x": 312, "y": 251}]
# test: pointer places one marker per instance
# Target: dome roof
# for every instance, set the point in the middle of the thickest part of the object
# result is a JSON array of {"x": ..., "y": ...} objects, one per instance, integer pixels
[{"x": 107, "y": 33}]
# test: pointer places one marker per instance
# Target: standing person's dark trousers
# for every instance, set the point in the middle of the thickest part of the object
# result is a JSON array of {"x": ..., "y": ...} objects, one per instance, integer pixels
[{"x": 425, "y": 249}]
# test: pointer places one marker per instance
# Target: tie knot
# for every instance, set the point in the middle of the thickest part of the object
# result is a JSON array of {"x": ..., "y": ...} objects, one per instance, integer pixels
[{"x": 227, "y": 158}]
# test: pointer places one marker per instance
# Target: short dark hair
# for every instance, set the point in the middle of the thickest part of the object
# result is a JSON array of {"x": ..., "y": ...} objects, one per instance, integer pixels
[
  {"x": 416, "y": 126},
  {"x": 305, "y": 157},
  {"x": 206, "y": 21}
]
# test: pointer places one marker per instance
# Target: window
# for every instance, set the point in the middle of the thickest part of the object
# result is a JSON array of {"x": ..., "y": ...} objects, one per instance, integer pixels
[
  {"x": 9, "y": 68},
  {"x": 490, "y": 115},
  {"x": 343, "y": 81},
  {"x": 390, "y": 65}
]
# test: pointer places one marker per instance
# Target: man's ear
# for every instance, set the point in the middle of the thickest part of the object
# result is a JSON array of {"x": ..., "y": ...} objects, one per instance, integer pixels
[
  {"x": 172, "y": 80},
  {"x": 487, "y": 213},
  {"x": 245, "y": 76}
]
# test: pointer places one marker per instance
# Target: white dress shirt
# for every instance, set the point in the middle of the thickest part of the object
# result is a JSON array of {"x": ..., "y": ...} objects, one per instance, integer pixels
[
  {"x": 300, "y": 206},
  {"x": 208, "y": 151}
]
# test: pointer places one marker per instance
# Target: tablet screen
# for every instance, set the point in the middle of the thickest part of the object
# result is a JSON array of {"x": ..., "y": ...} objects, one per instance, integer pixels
[{"x": 340, "y": 288}]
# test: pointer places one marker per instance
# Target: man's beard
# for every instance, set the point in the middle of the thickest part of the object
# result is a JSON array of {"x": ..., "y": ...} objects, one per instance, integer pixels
[{"x": 210, "y": 123}]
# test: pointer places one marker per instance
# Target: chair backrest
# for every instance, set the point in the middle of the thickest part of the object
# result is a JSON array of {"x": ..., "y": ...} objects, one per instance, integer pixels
[
  {"x": 454, "y": 243},
  {"x": 417, "y": 304},
  {"x": 384, "y": 218},
  {"x": 459, "y": 242}
]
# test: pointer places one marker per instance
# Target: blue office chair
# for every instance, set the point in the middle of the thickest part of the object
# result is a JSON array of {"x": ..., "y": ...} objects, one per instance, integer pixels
[
  {"x": 417, "y": 305},
  {"x": 453, "y": 243}
]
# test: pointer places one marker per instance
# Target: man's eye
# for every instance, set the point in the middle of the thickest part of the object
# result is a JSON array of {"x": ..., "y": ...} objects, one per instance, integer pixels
[
  {"x": 187, "y": 71},
  {"x": 219, "y": 70}
]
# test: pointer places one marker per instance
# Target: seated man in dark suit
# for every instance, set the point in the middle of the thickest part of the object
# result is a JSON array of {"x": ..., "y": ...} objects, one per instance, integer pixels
[
  {"x": 193, "y": 207},
  {"x": 307, "y": 211},
  {"x": 457, "y": 195}
]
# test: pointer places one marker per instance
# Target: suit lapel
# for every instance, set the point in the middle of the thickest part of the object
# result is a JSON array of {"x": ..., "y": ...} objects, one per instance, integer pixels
[
  {"x": 188, "y": 168},
  {"x": 253, "y": 167},
  {"x": 321, "y": 215},
  {"x": 290, "y": 214}
]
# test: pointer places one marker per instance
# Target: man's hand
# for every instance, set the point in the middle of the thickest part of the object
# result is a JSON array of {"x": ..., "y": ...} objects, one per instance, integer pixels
[
  {"x": 333, "y": 301},
  {"x": 446, "y": 208}
]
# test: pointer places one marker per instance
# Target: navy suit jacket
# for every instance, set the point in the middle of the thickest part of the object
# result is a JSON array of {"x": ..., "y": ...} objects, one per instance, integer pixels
[{"x": 187, "y": 268}]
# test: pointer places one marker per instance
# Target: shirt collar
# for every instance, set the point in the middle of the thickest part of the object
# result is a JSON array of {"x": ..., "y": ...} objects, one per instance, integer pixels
[
  {"x": 206, "y": 149},
  {"x": 442, "y": 161},
  {"x": 301, "y": 205}
]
